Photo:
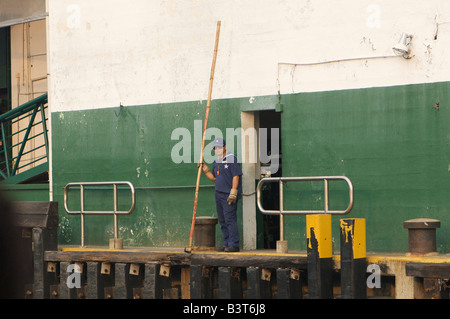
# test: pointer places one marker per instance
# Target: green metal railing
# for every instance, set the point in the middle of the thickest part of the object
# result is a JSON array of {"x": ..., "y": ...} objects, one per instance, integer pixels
[{"x": 24, "y": 140}]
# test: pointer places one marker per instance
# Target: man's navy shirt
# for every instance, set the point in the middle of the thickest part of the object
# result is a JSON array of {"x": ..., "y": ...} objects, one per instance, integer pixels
[{"x": 224, "y": 170}]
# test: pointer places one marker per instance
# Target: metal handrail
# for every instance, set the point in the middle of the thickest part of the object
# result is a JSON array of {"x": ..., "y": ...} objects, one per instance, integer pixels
[
  {"x": 83, "y": 212},
  {"x": 281, "y": 211},
  {"x": 25, "y": 115}
]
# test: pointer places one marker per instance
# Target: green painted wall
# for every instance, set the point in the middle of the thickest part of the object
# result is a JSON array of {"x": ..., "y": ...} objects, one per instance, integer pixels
[
  {"x": 25, "y": 192},
  {"x": 389, "y": 141},
  {"x": 392, "y": 144},
  {"x": 134, "y": 145}
]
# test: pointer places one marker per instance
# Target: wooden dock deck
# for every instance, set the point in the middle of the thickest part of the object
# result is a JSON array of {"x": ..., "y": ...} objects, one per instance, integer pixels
[{"x": 172, "y": 273}]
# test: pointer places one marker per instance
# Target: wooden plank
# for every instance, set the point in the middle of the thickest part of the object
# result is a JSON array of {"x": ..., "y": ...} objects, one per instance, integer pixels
[
  {"x": 238, "y": 260},
  {"x": 35, "y": 214},
  {"x": 207, "y": 259},
  {"x": 185, "y": 283},
  {"x": 119, "y": 256},
  {"x": 428, "y": 270},
  {"x": 30, "y": 221}
]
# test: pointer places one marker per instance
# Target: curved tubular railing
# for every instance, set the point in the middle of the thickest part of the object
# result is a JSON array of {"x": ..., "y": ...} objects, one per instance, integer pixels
[
  {"x": 281, "y": 211},
  {"x": 114, "y": 212}
]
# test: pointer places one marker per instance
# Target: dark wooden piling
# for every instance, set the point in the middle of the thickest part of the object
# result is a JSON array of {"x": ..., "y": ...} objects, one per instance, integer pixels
[
  {"x": 259, "y": 285},
  {"x": 64, "y": 290},
  {"x": 92, "y": 282},
  {"x": 52, "y": 279},
  {"x": 150, "y": 270},
  {"x": 37, "y": 223},
  {"x": 201, "y": 282},
  {"x": 230, "y": 285},
  {"x": 120, "y": 280},
  {"x": 289, "y": 284}
]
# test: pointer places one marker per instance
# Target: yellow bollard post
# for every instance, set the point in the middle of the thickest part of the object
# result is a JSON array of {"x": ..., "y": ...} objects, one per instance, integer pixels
[
  {"x": 353, "y": 258},
  {"x": 319, "y": 254}
]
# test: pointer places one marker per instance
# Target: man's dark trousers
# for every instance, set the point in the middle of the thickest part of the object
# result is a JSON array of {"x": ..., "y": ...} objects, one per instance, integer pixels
[{"x": 227, "y": 216}]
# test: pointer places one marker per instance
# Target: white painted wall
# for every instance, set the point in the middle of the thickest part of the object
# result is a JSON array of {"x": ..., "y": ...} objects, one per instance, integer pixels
[{"x": 106, "y": 52}]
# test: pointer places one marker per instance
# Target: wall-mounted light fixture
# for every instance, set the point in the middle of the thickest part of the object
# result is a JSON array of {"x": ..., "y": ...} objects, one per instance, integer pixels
[{"x": 402, "y": 47}]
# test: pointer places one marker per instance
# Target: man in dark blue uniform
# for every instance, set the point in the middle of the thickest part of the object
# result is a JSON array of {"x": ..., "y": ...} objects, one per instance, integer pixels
[{"x": 226, "y": 174}]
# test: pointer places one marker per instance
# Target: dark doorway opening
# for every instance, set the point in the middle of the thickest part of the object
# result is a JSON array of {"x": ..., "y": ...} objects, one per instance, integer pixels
[{"x": 270, "y": 192}]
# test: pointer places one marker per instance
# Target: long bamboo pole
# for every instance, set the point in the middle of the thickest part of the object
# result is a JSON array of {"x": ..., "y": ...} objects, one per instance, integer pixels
[{"x": 208, "y": 105}]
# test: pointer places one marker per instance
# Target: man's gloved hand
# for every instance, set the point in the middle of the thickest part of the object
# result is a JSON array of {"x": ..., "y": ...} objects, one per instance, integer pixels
[
  {"x": 232, "y": 198},
  {"x": 205, "y": 168}
]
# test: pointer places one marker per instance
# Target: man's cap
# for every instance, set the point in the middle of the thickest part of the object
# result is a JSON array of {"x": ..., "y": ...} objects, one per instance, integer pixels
[{"x": 219, "y": 142}]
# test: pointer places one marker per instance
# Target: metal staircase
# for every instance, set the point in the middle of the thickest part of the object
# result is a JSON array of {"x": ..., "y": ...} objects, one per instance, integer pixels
[{"x": 24, "y": 142}]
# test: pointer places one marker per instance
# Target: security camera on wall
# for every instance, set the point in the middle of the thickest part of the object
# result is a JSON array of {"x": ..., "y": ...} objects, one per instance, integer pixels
[{"x": 403, "y": 45}]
